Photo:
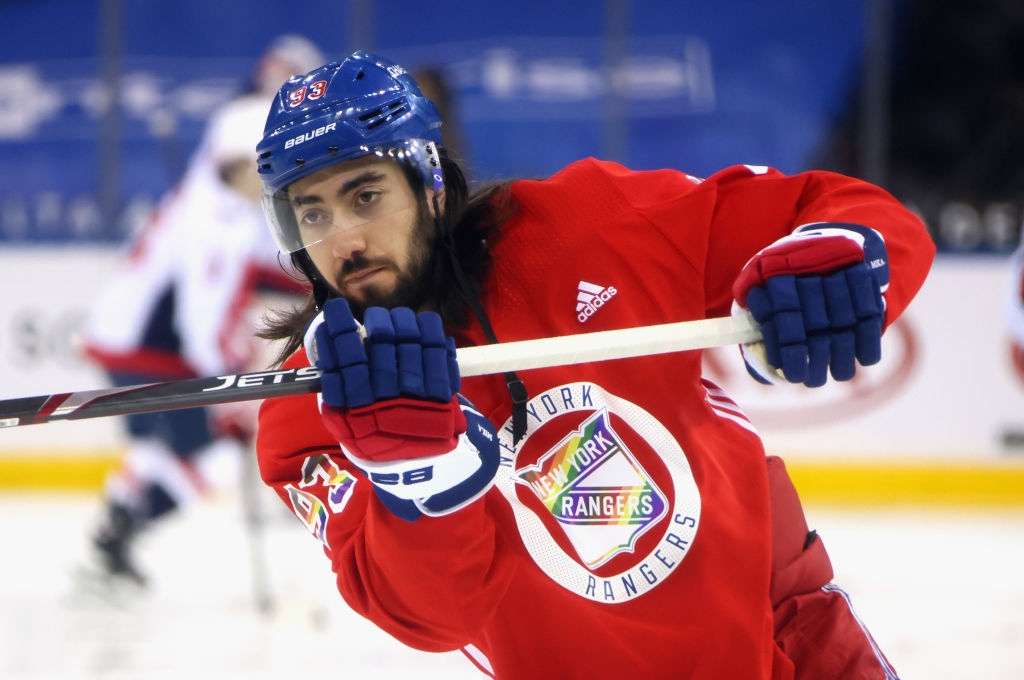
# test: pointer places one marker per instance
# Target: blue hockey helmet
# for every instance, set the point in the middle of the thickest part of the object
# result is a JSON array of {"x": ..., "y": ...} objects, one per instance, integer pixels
[{"x": 363, "y": 105}]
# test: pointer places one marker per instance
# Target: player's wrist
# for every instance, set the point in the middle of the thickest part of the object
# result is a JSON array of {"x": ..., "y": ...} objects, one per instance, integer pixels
[
  {"x": 414, "y": 478},
  {"x": 443, "y": 484},
  {"x": 396, "y": 429}
]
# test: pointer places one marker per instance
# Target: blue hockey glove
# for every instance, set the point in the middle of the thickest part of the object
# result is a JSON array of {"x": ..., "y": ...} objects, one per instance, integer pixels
[
  {"x": 817, "y": 296},
  {"x": 389, "y": 395}
]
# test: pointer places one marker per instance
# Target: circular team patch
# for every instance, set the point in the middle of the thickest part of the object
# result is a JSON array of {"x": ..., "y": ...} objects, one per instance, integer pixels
[{"x": 596, "y": 492}]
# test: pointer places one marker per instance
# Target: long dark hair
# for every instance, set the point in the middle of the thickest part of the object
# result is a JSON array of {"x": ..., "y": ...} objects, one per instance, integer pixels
[{"x": 464, "y": 232}]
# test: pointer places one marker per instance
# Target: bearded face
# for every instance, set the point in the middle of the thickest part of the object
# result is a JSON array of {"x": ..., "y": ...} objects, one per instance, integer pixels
[{"x": 367, "y": 232}]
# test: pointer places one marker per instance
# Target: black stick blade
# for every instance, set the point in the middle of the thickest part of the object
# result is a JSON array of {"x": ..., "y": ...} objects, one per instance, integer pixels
[{"x": 163, "y": 396}]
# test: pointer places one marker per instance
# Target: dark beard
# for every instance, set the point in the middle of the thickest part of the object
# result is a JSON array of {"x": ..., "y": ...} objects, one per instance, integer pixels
[{"x": 411, "y": 285}]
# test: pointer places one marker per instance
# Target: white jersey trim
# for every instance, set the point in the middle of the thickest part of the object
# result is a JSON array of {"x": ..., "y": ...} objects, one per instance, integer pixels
[
  {"x": 890, "y": 672},
  {"x": 479, "y": 659},
  {"x": 724, "y": 407}
]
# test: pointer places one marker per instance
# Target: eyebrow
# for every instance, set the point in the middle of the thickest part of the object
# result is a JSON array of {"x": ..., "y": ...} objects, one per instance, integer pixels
[{"x": 346, "y": 188}]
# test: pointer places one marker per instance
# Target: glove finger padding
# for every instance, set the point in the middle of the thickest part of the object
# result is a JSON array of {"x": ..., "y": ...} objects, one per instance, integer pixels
[
  {"x": 404, "y": 354},
  {"x": 410, "y": 355},
  {"x": 389, "y": 397},
  {"x": 817, "y": 296},
  {"x": 440, "y": 367},
  {"x": 334, "y": 344},
  {"x": 382, "y": 354}
]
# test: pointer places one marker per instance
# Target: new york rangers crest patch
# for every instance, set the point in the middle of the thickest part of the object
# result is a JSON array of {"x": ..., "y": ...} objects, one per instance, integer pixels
[
  {"x": 596, "y": 490},
  {"x": 620, "y": 534}
]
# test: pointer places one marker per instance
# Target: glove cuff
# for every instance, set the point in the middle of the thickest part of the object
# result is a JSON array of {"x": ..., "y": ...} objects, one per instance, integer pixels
[
  {"x": 447, "y": 482},
  {"x": 396, "y": 429},
  {"x": 811, "y": 249},
  {"x": 417, "y": 478}
]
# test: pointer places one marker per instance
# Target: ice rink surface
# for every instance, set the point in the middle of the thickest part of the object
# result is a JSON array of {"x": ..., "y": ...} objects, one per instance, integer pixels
[{"x": 942, "y": 591}]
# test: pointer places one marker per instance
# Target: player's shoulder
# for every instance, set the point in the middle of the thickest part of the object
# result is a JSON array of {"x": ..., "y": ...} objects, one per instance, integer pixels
[
  {"x": 611, "y": 169},
  {"x": 593, "y": 168},
  {"x": 592, "y": 174},
  {"x": 744, "y": 171}
]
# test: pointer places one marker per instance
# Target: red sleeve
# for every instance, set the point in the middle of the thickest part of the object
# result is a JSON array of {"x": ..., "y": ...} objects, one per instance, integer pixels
[
  {"x": 428, "y": 583},
  {"x": 815, "y": 624},
  {"x": 755, "y": 207},
  {"x": 716, "y": 225}
]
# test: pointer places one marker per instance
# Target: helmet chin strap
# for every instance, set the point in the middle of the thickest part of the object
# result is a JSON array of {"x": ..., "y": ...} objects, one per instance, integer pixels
[{"x": 516, "y": 387}]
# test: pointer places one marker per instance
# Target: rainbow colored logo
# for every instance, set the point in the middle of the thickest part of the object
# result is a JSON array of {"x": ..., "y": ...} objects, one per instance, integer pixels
[
  {"x": 320, "y": 471},
  {"x": 594, "y": 487}
]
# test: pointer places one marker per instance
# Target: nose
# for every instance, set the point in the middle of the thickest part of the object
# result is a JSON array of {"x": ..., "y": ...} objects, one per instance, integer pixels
[{"x": 346, "y": 242}]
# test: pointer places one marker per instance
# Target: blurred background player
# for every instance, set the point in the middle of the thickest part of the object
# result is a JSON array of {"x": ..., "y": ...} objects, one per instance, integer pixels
[
  {"x": 435, "y": 84},
  {"x": 1015, "y": 309},
  {"x": 183, "y": 304}
]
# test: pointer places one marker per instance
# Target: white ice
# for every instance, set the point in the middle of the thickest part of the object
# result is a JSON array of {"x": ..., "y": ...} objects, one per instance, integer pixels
[{"x": 940, "y": 589}]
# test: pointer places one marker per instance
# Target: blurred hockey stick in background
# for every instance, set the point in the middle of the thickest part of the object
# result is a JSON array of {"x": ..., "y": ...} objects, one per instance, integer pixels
[{"x": 482, "y": 360}]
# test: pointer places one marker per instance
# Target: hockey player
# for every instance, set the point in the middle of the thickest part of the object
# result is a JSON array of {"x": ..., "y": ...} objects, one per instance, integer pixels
[
  {"x": 612, "y": 519},
  {"x": 183, "y": 305},
  {"x": 1015, "y": 310}
]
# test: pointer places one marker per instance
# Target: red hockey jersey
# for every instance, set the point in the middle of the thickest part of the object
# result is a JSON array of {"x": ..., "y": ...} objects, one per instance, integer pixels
[{"x": 628, "y": 534}]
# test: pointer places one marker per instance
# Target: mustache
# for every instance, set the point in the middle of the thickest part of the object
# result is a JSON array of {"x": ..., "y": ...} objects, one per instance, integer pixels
[
  {"x": 354, "y": 264},
  {"x": 359, "y": 261}
]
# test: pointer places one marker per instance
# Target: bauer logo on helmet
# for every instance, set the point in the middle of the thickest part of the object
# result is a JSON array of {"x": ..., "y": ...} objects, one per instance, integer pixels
[{"x": 323, "y": 129}]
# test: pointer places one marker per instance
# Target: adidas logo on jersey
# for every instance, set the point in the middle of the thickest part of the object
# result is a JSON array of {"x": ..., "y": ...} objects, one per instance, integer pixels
[{"x": 590, "y": 298}]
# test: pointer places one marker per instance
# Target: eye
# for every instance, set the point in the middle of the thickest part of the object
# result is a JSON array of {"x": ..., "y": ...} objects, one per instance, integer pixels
[
  {"x": 314, "y": 219},
  {"x": 367, "y": 197}
]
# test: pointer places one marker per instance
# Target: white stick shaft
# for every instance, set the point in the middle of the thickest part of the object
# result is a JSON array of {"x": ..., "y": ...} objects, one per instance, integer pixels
[
  {"x": 499, "y": 358},
  {"x": 603, "y": 345}
]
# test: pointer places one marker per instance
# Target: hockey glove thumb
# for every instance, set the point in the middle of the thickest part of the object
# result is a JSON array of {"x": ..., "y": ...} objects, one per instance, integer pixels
[
  {"x": 818, "y": 298},
  {"x": 389, "y": 395}
]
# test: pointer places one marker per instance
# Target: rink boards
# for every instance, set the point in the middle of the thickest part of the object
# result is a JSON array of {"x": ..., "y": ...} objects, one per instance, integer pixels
[{"x": 939, "y": 420}]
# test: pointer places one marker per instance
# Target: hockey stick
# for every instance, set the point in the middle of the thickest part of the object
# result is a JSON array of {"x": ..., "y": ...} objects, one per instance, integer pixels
[{"x": 482, "y": 360}]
